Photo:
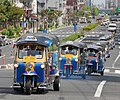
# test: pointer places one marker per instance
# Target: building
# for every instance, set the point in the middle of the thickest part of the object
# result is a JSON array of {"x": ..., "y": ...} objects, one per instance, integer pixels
[
  {"x": 112, "y": 4},
  {"x": 80, "y": 3}
]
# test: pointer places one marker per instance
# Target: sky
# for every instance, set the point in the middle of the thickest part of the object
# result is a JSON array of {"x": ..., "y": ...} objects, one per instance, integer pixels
[{"x": 98, "y": 1}]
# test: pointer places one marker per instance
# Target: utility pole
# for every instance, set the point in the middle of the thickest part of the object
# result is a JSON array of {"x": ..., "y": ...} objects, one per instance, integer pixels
[
  {"x": 46, "y": 4},
  {"x": 58, "y": 4},
  {"x": 37, "y": 16}
]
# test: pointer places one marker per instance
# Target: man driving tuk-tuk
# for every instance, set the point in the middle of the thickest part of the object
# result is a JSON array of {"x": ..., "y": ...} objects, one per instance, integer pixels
[
  {"x": 69, "y": 60},
  {"x": 32, "y": 69},
  {"x": 95, "y": 63}
]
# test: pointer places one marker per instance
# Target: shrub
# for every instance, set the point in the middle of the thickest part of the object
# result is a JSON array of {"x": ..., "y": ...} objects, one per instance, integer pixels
[
  {"x": 18, "y": 29},
  {"x": 11, "y": 31},
  {"x": 5, "y": 32},
  {"x": 72, "y": 37},
  {"x": 90, "y": 27}
]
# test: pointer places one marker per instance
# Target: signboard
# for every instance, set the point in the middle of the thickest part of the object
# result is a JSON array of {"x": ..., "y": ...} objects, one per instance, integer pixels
[
  {"x": 118, "y": 9},
  {"x": 31, "y": 38}
]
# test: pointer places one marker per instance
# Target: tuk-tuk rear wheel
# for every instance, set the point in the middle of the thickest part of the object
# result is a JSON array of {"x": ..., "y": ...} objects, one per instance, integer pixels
[
  {"x": 28, "y": 86},
  {"x": 89, "y": 70},
  {"x": 56, "y": 84},
  {"x": 102, "y": 73}
]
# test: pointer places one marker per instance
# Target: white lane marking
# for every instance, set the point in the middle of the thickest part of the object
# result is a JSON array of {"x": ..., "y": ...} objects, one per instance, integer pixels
[
  {"x": 107, "y": 70},
  {"x": 116, "y": 60},
  {"x": 117, "y": 71},
  {"x": 99, "y": 89}
]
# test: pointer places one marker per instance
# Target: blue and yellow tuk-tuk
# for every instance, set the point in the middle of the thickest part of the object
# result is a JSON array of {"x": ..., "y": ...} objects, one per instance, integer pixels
[
  {"x": 72, "y": 59},
  {"x": 36, "y": 63},
  {"x": 94, "y": 60}
]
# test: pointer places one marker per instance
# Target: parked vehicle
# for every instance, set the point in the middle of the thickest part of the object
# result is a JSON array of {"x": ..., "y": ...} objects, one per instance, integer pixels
[
  {"x": 94, "y": 60},
  {"x": 1, "y": 42},
  {"x": 36, "y": 63},
  {"x": 4, "y": 38},
  {"x": 72, "y": 59}
]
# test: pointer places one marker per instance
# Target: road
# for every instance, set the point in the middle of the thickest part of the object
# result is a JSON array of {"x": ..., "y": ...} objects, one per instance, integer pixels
[
  {"x": 67, "y": 31},
  {"x": 94, "y": 87}
]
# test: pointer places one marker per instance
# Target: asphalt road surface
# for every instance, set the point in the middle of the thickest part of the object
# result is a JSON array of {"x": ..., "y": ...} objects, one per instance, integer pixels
[{"x": 94, "y": 87}]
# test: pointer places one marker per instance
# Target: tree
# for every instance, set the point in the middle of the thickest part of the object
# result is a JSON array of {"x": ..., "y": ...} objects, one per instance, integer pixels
[
  {"x": 15, "y": 14},
  {"x": 10, "y": 13},
  {"x": 95, "y": 10}
]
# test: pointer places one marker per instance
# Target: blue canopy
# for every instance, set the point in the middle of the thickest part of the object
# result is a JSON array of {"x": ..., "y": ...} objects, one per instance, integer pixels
[{"x": 38, "y": 38}]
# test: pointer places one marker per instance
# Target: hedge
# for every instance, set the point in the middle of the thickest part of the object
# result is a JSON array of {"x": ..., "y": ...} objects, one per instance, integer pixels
[
  {"x": 72, "y": 37},
  {"x": 12, "y": 32},
  {"x": 90, "y": 27}
]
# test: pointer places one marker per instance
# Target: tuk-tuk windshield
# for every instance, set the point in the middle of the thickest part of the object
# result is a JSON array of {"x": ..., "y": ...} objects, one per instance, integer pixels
[
  {"x": 91, "y": 53},
  {"x": 33, "y": 50},
  {"x": 69, "y": 50}
]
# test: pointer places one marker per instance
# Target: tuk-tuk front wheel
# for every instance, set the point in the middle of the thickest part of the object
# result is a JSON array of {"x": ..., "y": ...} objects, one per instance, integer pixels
[
  {"x": 56, "y": 84},
  {"x": 28, "y": 86}
]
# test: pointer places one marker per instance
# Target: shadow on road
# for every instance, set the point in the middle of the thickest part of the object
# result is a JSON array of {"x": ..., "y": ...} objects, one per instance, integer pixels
[{"x": 9, "y": 90}]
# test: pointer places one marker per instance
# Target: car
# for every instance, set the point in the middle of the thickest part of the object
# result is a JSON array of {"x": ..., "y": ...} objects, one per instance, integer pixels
[
  {"x": 83, "y": 20},
  {"x": 104, "y": 23},
  {"x": 112, "y": 27},
  {"x": 5, "y": 38},
  {"x": 1, "y": 41}
]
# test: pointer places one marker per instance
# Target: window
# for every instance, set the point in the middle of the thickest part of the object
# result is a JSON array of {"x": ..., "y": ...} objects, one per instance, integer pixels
[
  {"x": 69, "y": 50},
  {"x": 32, "y": 50}
]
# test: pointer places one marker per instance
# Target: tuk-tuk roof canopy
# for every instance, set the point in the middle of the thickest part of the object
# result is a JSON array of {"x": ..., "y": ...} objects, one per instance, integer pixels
[
  {"x": 95, "y": 47},
  {"x": 38, "y": 38},
  {"x": 75, "y": 44},
  {"x": 81, "y": 44},
  {"x": 102, "y": 43}
]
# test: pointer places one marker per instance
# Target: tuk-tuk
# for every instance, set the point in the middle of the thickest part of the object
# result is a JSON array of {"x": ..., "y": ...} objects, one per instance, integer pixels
[
  {"x": 72, "y": 59},
  {"x": 36, "y": 63},
  {"x": 94, "y": 60},
  {"x": 105, "y": 50}
]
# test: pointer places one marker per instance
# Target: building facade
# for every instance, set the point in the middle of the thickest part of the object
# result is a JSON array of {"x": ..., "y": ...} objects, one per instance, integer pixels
[{"x": 112, "y": 4}]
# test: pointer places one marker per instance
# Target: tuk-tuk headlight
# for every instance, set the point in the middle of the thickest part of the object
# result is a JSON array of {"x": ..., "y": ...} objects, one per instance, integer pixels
[
  {"x": 15, "y": 65},
  {"x": 42, "y": 66},
  {"x": 96, "y": 60},
  {"x": 76, "y": 60},
  {"x": 60, "y": 58}
]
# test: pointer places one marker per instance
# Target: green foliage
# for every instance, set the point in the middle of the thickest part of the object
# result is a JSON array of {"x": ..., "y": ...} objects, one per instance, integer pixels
[
  {"x": 5, "y": 32},
  {"x": 72, "y": 37},
  {"x": 18, "y": 29},
  {"x": 90, "y": 27},
  {"x": 9, "y": 12},
  {"x": 95, "y": 10},
  {"x": 51, "y": 14},
  {"x": 12, "y": 32}
]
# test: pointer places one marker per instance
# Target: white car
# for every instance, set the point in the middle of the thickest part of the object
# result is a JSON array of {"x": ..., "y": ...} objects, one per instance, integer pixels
[
  {"x": 104, "y": 23},
  {"x": 112, "y": 27},
  {"x": 83, "y": 20}
]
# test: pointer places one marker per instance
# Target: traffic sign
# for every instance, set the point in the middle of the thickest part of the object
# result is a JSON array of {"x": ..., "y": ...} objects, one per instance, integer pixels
[{"x": 118, "y": 9}]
